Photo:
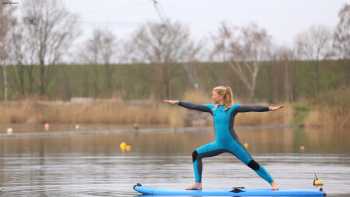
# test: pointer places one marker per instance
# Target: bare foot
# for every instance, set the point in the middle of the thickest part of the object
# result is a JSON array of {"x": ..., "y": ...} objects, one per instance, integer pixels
[
  {"x": 274, "y": 186},
  {"x": 195, "y": 186}
]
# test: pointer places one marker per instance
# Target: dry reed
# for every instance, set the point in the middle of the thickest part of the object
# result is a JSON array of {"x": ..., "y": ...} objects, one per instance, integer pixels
[{"x": 118, "y": 112}]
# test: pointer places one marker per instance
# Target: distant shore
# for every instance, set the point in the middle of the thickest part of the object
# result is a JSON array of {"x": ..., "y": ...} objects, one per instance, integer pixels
[
  {"x": 39, "y": 114},
  {"x": 42, "y": 116}
]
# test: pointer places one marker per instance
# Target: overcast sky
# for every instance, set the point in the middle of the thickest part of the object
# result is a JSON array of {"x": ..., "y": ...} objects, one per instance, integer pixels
[{"x": 283, "y": 19}]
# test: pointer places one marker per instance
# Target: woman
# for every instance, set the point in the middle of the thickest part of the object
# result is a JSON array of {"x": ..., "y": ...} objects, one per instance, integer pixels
[{"x": 224, "y": 111}]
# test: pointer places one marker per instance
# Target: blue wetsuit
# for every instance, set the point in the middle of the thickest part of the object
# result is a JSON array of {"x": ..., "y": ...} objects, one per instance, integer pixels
[{"x": 226, "y": 139}]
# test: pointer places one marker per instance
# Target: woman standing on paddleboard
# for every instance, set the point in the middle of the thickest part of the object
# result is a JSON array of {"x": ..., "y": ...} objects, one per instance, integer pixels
[{"x": 224, "y": 111}]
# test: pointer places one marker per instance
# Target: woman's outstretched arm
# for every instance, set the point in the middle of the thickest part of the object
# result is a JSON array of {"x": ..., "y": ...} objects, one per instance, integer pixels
[
  {"x": 257, "y": 108},
  {"x": 188, "y": 105}
]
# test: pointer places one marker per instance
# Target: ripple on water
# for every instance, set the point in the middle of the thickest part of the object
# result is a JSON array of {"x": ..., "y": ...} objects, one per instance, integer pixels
[{"x": 114, "y": 175}]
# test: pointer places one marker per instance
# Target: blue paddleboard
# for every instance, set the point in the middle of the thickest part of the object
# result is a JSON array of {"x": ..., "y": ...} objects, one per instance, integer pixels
[{"x": 227, "y": 192}]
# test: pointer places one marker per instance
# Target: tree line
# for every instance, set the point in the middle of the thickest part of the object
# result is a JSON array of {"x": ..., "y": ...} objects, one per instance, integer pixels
[{"x": 38, "y": 37}]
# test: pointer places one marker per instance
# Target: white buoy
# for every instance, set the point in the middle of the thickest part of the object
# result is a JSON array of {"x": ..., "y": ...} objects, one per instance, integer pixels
[
  {"x": 77, "y": 126},
  {"x": 136, "y": 126},
  {"x": 46, "y": 126},
  {"x": 246, "y": 145},
  {"x": 9, "y": 131}
]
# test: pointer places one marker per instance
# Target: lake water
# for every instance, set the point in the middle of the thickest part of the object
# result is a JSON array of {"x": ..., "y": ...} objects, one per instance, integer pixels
[{"x": 90, "y": 163}]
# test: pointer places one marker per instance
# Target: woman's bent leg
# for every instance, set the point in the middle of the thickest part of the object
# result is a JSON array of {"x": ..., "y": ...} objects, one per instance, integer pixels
[{"x": 207, "y": 150}]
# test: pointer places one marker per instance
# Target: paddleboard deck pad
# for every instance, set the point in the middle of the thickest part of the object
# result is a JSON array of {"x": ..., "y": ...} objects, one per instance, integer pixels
[{"x": 238, "y": 191}]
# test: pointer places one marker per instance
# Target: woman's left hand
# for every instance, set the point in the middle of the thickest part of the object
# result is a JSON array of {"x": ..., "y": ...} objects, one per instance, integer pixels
[
  {"x": 173, "y": 102},
  {"x": 273, "y": 108}
]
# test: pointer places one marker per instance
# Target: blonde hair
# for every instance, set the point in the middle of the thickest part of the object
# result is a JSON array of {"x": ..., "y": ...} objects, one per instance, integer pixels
[{"x": 226, "y": 93}]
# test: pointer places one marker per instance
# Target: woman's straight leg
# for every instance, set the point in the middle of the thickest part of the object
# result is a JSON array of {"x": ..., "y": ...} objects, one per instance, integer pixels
[{"x": 238, "y": 150}]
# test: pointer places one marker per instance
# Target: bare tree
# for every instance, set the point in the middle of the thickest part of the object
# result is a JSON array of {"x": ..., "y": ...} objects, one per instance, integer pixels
[
  {"x": 243, "y": 48},
  {"x": 21, "y": 55},
  {"x": 102, "y": 48},
  {"x": 163, "y": 44},
  {"x": 50, "y": 30},
  {"x": 5, "y": 18},
  {"x": 342, "y": 33},
  {"x": 315, "y": 44},
  {"x": 284, "y": 57}
]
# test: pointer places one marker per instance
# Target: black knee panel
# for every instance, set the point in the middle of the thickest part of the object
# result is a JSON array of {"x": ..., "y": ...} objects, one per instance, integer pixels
[
  {"x": 194, "y": 155},
  {"x": 254, "y": 165}
]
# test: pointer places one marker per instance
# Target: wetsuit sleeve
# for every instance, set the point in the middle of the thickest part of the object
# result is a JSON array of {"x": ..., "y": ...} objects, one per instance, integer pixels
[
  {"x": 252, "y": 108},
  {"x": 188, "y": 105}
]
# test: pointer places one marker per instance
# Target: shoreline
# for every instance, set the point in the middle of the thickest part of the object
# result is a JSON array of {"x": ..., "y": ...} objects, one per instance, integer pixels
[
  {"x": 86, "y": 130},
  {"x": 44, "y": 116}
]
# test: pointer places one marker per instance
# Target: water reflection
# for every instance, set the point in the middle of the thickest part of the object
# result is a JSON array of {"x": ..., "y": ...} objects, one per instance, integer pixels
[
  {"x": 91, "y": 164},
  {"x": 174, "y": 141}
]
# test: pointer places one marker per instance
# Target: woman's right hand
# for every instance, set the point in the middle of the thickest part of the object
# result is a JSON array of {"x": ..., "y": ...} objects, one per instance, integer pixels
[
  {"x": 273, "y": 108},
  {"x": 173, "y": 102}
]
